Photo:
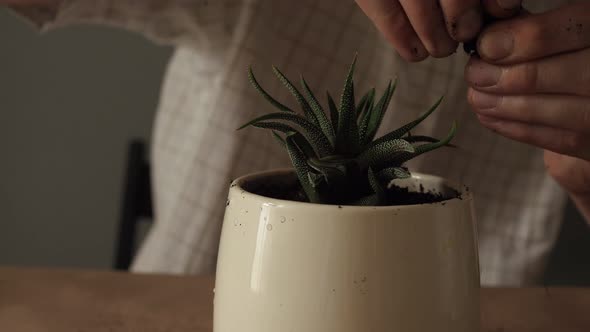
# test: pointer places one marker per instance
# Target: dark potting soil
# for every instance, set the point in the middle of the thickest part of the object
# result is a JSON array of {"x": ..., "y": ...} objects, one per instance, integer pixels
[
  {"x": 403, "y": 196},
  {"x": 285, "y": 190},
  {"x": 292, "y": 191}
]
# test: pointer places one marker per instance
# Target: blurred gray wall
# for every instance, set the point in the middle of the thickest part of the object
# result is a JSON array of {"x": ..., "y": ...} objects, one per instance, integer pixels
[{"x": 70, "y": 101}]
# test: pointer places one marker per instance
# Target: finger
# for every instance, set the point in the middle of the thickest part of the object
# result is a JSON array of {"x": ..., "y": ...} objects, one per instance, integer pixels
[
  {"x": 502, "y": 8},
  {"x": 563, "y": 112},
  {"x": 562, "y": 74},
  {"x": 536, "y": 36},
  {"x": 463, "y": 18},
  {"x": 427, "y": 19},
  {"x": 553, "y": 139},
  {"x": 572, "y": 173},
  {"x": 391, "y": 20}
]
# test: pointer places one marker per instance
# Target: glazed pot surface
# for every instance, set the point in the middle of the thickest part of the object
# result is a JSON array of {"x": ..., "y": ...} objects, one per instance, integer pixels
[{"x": 289, "y": 266}]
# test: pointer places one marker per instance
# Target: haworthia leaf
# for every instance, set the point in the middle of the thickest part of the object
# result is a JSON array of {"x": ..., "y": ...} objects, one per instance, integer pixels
[
  {"x": 312, "y": 132},
  {"x": 298, "y": 96},
  {"x": 347, "y": 135},
  {"x": 301, "y": 169},
  {"x": 421, "y": 149},
  {"x": 375, "y": 185},
  {"x": 376, "y": 117},
  {"x": 361, "y": 105},
  {"x": 383, "y": 154},
  {"x": 392, "y": 173},
  {"x": 371, "y": 200},
  {"x": 317, "y": 109},
  {"x": 301, "y": 141},
  {"x": 315, "y": 179},
  {"x": 304, "y": 145},
  {"x": 327, "y": 174},
  {"x": 362, "y": 109},
  {"x": 326, "y": 167},
  {"x": 334, "y": 112},
  {"x": 364, "y": 120},
  {"x": 266, "y": 96},
  {"x": 275, "y": 126},
  {"x": 409, "y": 126},
  {"x": 278, "y": 138},
  {"x": 424, "y": 139}
]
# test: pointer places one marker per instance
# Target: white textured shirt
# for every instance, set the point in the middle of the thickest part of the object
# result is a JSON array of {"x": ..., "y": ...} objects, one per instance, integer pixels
[{"x": 206, "y": 95}]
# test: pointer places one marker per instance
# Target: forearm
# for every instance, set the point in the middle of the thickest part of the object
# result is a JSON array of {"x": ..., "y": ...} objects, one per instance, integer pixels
[{"x": 167, "y": 21}]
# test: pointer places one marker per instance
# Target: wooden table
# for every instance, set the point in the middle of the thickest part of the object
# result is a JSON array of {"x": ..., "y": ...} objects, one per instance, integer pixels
[{"x": 34, "y": 300}]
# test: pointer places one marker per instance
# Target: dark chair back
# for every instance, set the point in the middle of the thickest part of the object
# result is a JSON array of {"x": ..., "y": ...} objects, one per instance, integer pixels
[{"x": 136, "y": 204}]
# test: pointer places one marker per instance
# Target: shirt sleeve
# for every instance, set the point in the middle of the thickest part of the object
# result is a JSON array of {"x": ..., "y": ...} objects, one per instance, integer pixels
[{"x": 164, "y": 21}]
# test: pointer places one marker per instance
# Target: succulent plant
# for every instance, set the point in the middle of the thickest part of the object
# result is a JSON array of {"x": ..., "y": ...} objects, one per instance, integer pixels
[{"x": 336, "y": 157}]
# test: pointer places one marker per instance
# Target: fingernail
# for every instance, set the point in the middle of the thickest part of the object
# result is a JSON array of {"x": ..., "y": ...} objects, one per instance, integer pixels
[
  {"x": 481, "y": 74},
  {"x": 468, "y": 25},
  {"x": 485, "y": 101},
  {"x": 496, "y": 45},
  {"x": 509, "y": 4}
]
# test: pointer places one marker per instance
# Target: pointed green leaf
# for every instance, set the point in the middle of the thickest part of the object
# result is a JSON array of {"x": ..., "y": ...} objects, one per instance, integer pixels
[
  {"x": 347, "y": 135},
  {"x": 327, "y": 168},
  {"x": 371, "y": 200},
  {"x": 421, "y": 149},
  {"x": 278, "y": 138},
  {"x": 301, "y": 169},
  {"x": 315, "y": 180},
  {"x": 298, "y": 96},
  {"x": 424, "y": 139},
  {"x": 375, "y": 185},
  {"x": 317, "y": 109},
  {"x": 365, "y": 104},
  {"x": 275, "y": 126},
  {"x": 334, "y": 112},
  {"x": 376, "y": 117},
  {"x": 392, "y": 173},
  {"x": 384, "y": 154},
  {"x": 266, "y": 96},
  {"x": 304, "y": 145},
  {"x": 315, "y": 136},
  {"x": 361, "y": 105},
  {"x": 411, "y": 125},
  {"x": 364, "y": 120},
  {"x": 301, "y": 141}
]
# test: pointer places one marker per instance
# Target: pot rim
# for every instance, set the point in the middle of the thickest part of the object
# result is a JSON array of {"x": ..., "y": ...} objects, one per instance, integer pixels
[{"x": 237, "y": 185}]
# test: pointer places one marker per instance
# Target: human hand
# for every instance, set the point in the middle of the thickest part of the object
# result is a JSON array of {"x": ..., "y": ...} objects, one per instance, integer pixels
[
  {"x": 532, "y": 84},
  {"x": 419, "y": 29}
]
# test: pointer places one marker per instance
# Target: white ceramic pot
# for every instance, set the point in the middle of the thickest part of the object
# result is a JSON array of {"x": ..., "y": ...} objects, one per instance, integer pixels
[{"x": 288, "y": 266}]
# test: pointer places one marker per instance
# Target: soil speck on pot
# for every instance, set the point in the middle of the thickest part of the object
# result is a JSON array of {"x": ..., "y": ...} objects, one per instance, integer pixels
[
  {"x": 269, "y": 227},
  {"x": 283, "y": 220},
  {"x": 340, "y": 206},
  {"x": 227, "y": 203}
]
